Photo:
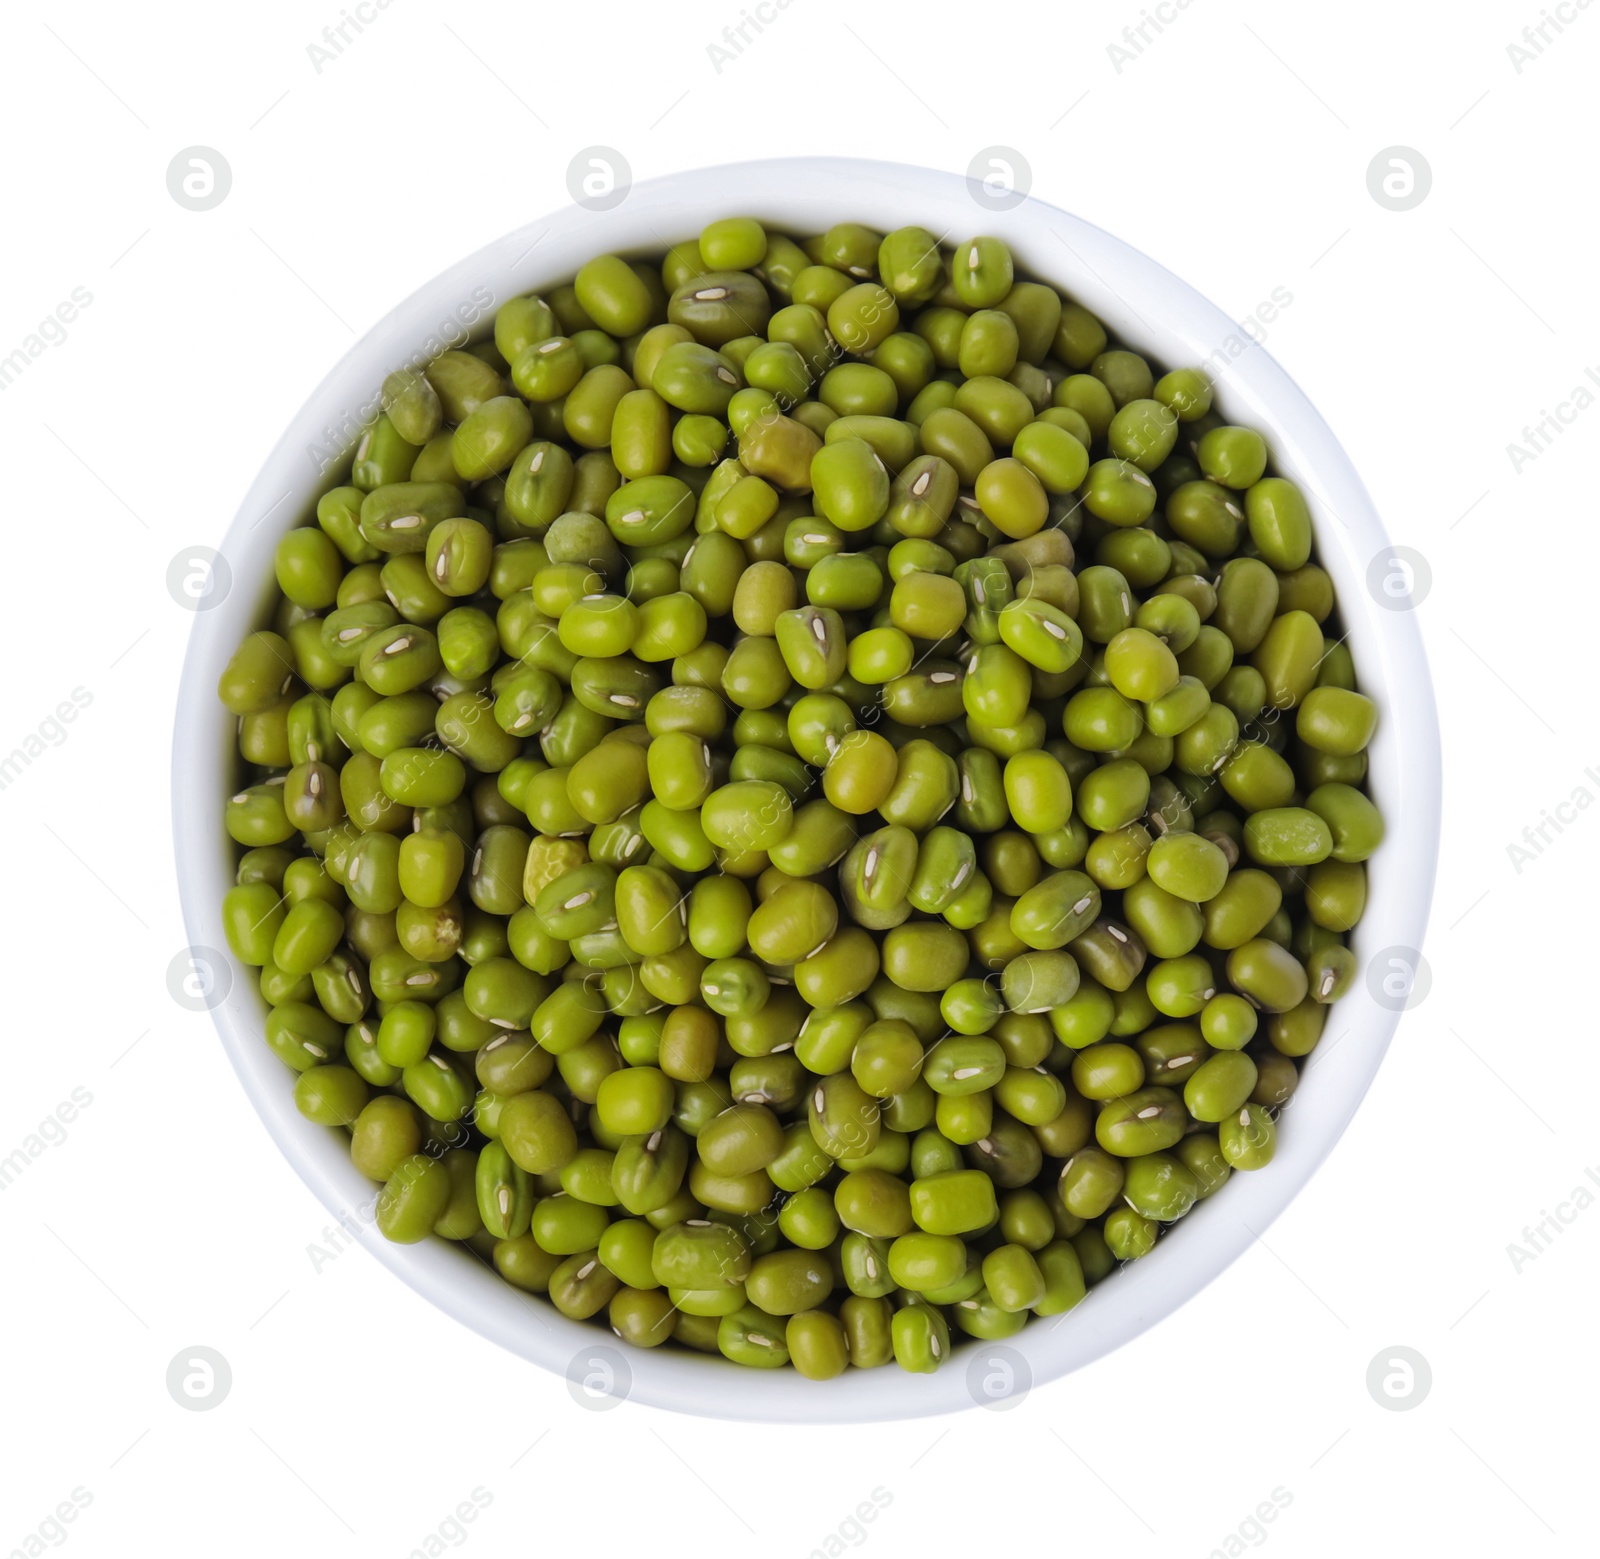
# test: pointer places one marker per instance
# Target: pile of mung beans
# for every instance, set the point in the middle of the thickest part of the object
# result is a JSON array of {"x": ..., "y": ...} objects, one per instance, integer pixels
[{"x": 799, "y": 800}]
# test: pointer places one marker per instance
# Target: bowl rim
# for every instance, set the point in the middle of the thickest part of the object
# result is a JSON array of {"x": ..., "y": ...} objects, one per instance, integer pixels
[{"x": 1149, "y": 308}]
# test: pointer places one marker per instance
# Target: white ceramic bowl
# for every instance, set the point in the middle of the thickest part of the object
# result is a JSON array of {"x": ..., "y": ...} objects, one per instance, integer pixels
[{"x": 1149, "y": 309}]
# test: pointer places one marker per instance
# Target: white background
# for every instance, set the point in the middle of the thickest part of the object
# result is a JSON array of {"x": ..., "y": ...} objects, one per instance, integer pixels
[{"x": 1234, "y": 147}]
